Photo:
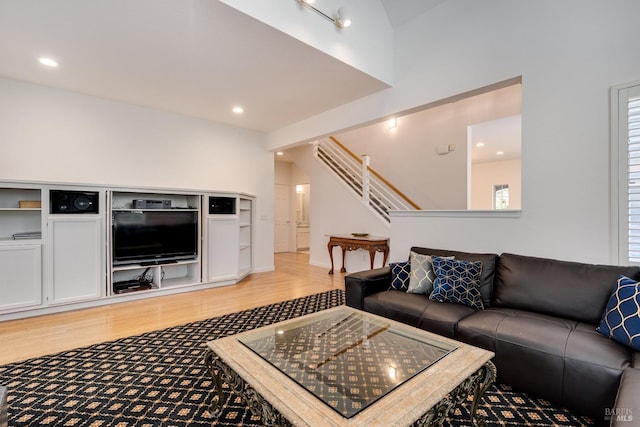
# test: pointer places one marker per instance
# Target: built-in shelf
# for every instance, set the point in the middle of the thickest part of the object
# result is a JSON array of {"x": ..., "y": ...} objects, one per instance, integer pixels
[
  {"x": 71, "y": 263},
  {"x": 164, "y": 274},
  {"x": 13, "y": 218},
  {"x": 156, "y": 210},
  {"x": 229, "y": 238}
]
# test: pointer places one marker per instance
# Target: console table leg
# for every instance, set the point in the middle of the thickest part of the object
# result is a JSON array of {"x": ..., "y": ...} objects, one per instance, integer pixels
[
  {"x": 330, "y": 246},
  {"x": 344, "y": 252},
  {"x": 372, "y": 257}
]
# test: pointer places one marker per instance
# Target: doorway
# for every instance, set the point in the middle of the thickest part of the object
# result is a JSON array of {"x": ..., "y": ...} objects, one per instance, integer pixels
[
  {"x": 303, "y": 217},
  {"x": 282, "y": 219}
]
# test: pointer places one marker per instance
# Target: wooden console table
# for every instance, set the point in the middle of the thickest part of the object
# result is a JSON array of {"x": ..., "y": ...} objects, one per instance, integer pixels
[{"x": 350, "y": 243}]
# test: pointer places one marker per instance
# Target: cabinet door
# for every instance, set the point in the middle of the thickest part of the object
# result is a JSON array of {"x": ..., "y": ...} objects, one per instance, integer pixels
[
  {"x": 222, "y": 249},
  {"x": 76, "y": 259},
  {"x": 20, "y": 276}
]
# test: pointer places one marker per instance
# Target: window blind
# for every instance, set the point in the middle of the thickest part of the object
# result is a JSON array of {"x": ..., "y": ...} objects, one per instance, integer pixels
[{"x": 633, "y": 177}]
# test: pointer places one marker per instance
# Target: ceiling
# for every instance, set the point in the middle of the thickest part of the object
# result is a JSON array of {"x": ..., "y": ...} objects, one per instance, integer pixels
[
  {"x": 490, "y": 138},
  {"x": 198, "y": 58},
  {"x": 402, "y": 11}
]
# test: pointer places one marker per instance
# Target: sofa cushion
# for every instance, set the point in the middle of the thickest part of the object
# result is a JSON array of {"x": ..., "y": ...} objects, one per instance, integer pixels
[
  {"x": 399, "y": 276},
  {"x": 559, "y": 288},
  {"x": 457, "y": 282},
  {"x": 488, "y": 267},
  {"x": 521, "y": 339},
  {"x": 418, "y": 310},
  {"x": 621, "y": 318},
  {"x": 549, "y": 356}
]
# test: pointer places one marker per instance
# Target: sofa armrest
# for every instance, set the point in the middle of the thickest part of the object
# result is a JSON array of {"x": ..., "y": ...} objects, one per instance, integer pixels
[
  {"x": 4, "y": 412},
  {"x": 359, "y": 285},
  {"x": 626, "y": 410}
]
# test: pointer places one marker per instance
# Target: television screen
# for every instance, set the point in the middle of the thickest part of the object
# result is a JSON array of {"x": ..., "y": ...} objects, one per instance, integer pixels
[{"x": 154, "y": 236}]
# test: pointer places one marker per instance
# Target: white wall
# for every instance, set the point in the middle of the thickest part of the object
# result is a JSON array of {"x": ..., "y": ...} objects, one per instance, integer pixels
[
  {"x": 569, "y": 54},
  {"x": 55, "y": 135},
  {"x": 485, "y": 175}
]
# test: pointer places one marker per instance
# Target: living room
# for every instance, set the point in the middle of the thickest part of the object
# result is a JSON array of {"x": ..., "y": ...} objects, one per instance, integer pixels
[
  {"x": 569, "y": 55},
  {"x": 564, "y": 102}
]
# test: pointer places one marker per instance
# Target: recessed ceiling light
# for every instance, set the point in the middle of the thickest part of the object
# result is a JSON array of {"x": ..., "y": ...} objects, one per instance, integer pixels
[
  {"x": 480, "y": 144},
  {"x": 280, "y": 153},
  {"x": 48, "y": 62},
  {"x": 238, "y": 110},
  {"x": 500, "y": 153}
]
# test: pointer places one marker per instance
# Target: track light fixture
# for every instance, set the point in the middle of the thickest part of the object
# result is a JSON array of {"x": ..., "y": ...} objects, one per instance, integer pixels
[{"x": 341, "y": 19}]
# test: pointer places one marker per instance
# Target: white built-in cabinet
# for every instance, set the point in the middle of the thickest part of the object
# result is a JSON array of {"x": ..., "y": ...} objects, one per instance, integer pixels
[
  {"x": 20, "y": 247},
  {"x": 20, "y": 276},
  {"x": 245, "y": 223},
  {"x": 222, "y": 260},
  {"x": 225, "y": 261},
  {"x": 52, "y": 261},
  {"x": 76, "y": 258}
]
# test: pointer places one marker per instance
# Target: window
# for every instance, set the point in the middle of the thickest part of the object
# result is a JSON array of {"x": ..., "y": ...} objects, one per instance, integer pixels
[
  {"x": 625, "y": 157},
  {"x": 501, "y": 196}
]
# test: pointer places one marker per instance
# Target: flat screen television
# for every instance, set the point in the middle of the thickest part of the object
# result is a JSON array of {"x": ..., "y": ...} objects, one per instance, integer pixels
[{"x": 150, "y": 237}]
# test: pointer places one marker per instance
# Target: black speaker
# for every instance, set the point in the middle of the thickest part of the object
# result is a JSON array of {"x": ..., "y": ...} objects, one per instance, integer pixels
[
  {"x": 222, "y": 205},
  {"x": 73, "y": 202}
]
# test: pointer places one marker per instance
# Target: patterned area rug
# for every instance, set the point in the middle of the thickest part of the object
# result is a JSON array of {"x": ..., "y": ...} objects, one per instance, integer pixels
[{"x": 159, "y": 379}]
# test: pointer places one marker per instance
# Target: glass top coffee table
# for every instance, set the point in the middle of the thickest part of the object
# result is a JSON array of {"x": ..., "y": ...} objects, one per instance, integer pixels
[{"x": 346, "y": 367}]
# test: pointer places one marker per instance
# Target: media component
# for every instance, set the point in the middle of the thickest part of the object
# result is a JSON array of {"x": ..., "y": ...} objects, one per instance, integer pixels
[
  {"x": 151, "y": 204},
  {"x": 222, "y": 205},
  {"x": 73, "y": 202}
]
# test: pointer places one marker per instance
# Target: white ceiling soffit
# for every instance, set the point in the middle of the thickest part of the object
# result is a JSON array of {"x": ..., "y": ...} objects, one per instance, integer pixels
[
  {"x": 366, "y": 45},
  {"x": 193, "y": 57}
]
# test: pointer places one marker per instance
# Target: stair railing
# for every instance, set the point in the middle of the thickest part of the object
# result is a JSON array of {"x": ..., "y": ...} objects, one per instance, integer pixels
[{"x": 375, "y": 191}]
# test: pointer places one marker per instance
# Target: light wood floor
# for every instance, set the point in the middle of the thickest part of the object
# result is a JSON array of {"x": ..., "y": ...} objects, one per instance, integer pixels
[{"x": 293, "y": 278}]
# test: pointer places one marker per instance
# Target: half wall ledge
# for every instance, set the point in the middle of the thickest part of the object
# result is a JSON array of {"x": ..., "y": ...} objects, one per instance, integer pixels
[{"x": 459, "y": 213}]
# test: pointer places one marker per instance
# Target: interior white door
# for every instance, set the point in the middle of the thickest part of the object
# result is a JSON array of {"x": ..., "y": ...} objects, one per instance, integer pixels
[{"x": 282, "y": 220}]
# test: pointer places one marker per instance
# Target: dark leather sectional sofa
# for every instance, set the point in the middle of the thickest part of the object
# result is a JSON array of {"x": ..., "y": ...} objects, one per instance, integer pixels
[{"x": 540, "y": 320}]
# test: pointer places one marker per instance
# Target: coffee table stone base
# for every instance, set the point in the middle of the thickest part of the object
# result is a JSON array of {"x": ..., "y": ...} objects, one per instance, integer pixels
[
  {"x": 475, "y": 385},
  {"x": 223, "y": 374}
]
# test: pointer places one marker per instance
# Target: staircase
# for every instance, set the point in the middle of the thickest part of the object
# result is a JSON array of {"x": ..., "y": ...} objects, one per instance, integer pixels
[{"x": 378, "y": 194}]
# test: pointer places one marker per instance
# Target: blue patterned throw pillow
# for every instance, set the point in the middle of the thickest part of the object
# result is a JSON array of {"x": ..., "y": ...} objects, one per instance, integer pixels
[
  {"x": 457, "y": 281},
  {"x": 400, "y": 272},
  {"x": 621, "y": 318}
]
